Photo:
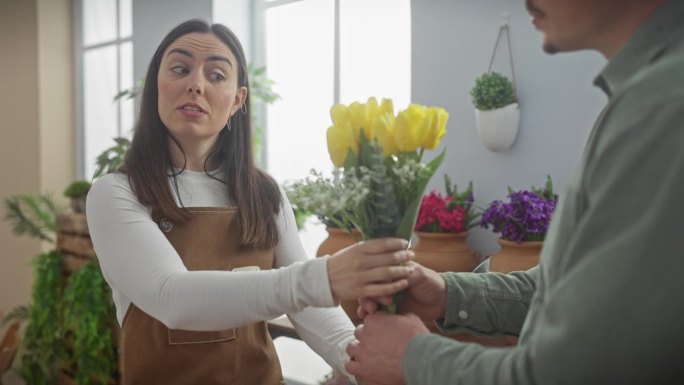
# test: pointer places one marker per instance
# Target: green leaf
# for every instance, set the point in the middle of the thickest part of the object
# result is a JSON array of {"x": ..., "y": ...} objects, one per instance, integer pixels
[
  {"x": 408, "y": 220},
  {"x": 32, "y": 215},
  {"x": 352, "y": 161}
]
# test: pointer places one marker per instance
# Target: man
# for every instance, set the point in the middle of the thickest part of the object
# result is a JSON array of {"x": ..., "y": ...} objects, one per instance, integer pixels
[{"x": 606, "y": 303}]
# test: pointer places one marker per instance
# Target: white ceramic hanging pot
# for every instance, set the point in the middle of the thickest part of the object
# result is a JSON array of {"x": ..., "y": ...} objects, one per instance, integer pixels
[{"x": 498, "y": 128}]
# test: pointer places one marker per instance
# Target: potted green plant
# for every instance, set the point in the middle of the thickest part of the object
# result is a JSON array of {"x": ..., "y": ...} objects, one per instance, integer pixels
[
  {"x": 70, "y": 328},
  {"x": 77, "y": 192},
  {"x": 497, "y": 112}
]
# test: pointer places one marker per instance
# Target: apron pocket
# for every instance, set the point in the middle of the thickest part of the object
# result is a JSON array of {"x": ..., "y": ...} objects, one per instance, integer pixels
[{"x": 187, "y": 337}]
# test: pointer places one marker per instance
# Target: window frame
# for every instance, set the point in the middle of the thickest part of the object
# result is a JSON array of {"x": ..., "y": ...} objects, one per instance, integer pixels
[
  {"x": 259, "y": 54},
  {"x": 80, "y": 50}
]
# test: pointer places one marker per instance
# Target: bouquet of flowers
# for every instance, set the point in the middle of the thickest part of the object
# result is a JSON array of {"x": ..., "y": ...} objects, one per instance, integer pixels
[
  {"x": 379, "y": 177},
  {"x": 325, "y": 197},
  {"x": 453, "y": 213},
  {"x": 525, "y": 217}
]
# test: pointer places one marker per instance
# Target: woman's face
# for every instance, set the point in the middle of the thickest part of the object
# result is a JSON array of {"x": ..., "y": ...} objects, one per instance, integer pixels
[{"x": 198, "y": 87}]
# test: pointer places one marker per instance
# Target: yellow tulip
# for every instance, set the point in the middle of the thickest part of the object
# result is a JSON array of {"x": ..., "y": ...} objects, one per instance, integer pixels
[
  {"x": 348, "y": 122},
  {"x": 357, "y": 116},
  {"x": 387, "y": 107},
  {"x": 436, "y": 127},
  {"x": 410, "y": 127},
  {"x": 339, "y": 113},
  {"x": 383, "y": 131},
  {"x": 340, "y": 139}
]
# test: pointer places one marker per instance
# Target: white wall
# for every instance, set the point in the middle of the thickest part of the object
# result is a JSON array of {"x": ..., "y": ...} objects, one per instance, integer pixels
[
  {"x": 153, "y": 19},
  {"x": 452, "y": 41},
  {"x": 36, "y": 122}
]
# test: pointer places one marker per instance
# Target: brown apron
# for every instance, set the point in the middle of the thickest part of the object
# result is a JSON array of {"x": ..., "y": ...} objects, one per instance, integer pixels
[{"x": 154, "y": 354}]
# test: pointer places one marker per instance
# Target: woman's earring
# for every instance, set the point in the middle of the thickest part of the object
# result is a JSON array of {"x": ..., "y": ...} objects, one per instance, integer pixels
[
  {"x": 243, "y": 109},
  {"x": 228, "y": 124}
]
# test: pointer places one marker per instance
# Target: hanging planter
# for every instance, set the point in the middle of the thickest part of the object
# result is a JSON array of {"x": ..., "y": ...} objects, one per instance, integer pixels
[
  {"x": 498, "y": 128},
  {"x": 497, "y": 112}
]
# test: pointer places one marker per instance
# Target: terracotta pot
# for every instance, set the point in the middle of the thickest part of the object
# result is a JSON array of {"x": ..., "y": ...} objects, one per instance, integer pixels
[
  {"x": 516, "y": 256},
  {"x": 445, "y": 251},
  {"x": 337, "y": 240}
]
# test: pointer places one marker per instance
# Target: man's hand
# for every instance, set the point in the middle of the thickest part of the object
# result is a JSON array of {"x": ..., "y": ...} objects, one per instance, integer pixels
[
  {"x": 376, "y": 358},
  {"x": 425, "y": 296},
  {"x": 370, "y": 268}
]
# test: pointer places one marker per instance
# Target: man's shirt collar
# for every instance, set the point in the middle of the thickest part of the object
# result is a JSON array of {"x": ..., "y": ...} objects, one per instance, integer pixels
[{"x": 653, "y": 38}]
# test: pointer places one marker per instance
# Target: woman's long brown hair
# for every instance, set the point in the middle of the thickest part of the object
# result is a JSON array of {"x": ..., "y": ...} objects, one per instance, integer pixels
[{"x": 148, "y": 161}]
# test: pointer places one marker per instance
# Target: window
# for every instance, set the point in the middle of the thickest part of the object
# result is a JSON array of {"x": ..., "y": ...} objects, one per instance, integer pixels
[
  {"x": 104, "y": 68},
  {"x": 321, "y": 52}
]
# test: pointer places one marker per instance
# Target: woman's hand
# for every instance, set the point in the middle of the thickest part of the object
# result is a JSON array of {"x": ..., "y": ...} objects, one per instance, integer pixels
[
  {"x": 425, "y": 296},
  {"x": 370, "y": 269}
]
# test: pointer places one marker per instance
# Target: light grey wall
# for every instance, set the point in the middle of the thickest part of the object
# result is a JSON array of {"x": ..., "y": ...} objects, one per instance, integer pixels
[
  {"x": 452, "y": 41},
  {"x": 153, "y": 19}
]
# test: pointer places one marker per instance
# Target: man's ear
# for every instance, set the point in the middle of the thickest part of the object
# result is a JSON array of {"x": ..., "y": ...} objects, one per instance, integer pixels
[{"x": 240, "y": 99}]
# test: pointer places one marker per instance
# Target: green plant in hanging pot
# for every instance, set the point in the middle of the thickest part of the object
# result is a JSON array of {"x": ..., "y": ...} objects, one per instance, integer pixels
[
  {"x": 497, "y": 112},
  {"x": 77, "y": 192},
  {"x": 492, "y": 91}
]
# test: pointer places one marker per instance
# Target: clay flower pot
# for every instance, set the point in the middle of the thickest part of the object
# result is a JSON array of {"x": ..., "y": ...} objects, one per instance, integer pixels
[
  {"x": 445, "y": 251},
  {"x": 515, "y": 256}
]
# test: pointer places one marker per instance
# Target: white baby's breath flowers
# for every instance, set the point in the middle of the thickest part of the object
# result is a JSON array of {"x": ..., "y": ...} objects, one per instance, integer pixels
[
  {"x": 327, "y": 197},
  {"x": 407, "y": 172}
]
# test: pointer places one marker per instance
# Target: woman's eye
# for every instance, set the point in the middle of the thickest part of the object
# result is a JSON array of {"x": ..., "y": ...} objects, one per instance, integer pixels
[
  {"x": 216, "y": 76},
  {"x": 180, "y": 70}
]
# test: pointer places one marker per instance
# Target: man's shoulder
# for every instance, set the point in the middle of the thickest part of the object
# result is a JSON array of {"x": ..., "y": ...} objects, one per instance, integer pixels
[{"x": 661, "y": 81}]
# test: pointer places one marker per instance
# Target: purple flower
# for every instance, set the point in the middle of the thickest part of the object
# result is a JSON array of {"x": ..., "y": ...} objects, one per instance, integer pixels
[{"x": 525, "y": 217}]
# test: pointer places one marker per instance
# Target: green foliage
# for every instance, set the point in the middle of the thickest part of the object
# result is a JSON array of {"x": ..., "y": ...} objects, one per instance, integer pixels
[
  {"x": 89, "y": 317},
  {"x": 491, "y": 91},
  {"x": 261, "y": 87},
  {"x": 77, "y": 189},
  {"x": 19, "y": 313},
  {"x": 300, "y": 217},
  {"x": 464, "y": 199},
  {"x": 381, "y": 208},
  {"x": 42, "y": 341},
  {"x": 293, "y": 193},
  {"x": 112, "y": 158},
  {"x": 409, "y": 220},
  {"x": 261, "y": 92},
  {"x": 131, "y": 92},
  {"x": 546, "y": 192},
  {"x": 33, "y": 216}
]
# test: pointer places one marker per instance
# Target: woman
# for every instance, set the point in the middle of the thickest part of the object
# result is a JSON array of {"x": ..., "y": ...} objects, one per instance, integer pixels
[{"x": 188, "y": 233}]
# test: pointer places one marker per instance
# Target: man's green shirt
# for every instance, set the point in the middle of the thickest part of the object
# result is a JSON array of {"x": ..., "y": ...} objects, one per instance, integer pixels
[{"x": 606, "y": 303}]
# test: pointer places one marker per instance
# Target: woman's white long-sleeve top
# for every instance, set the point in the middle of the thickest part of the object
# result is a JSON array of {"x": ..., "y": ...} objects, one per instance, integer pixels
[{"x": 142, "y": 267}]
